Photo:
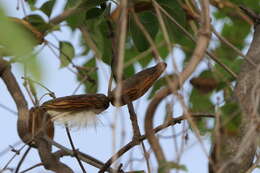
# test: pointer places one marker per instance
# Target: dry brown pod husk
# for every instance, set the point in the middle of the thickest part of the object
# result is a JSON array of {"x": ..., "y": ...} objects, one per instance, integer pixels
[
  {"x": 76, "y": 110},
  {"x": 137, "y": 85},
  {"x": 39, "y": 121},
  {"x": 204, "y": 84}
]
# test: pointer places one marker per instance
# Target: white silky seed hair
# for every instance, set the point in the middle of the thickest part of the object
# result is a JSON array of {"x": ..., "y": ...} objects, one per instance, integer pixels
[{"x": 79, "y": 119}]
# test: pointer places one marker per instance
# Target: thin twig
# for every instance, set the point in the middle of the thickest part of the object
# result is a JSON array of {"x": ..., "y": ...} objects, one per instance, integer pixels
[
  {"x": 32, "y": 167},
  {"x": 229, "y": 44},
  {"x": 63, "y": 16},
  {"x": 84, "y": 157},
  {"x": 136, "y": 131},
  {"x": 133, "y": 143},
  {"x": 211, "y": 55},
  {"x": 22, "y": 159},
  {"x": 198, "y": 54},
  {"x": 143, "y": 54},
  {"x": 91, "y": 44},
  {"x": 147, "y": 35},
  {"x": 8, "y": 109},
  {"x": 12, "y": 158},
  {"x": 74, "y": 150}
]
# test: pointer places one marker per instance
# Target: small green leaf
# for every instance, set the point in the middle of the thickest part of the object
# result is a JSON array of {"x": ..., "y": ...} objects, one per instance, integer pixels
[
  {"x": 67, "y": 53},
  {"x": 129, "y": 71},
  {"x": 234, "y": 65},
  {"x": 38, "y": 22},
  {"x": 76, "y": 20},
  {"x": 34, "y": 67},
  {"x": 151, "y": 25},
  {"x": 47, "y": 7},
  {"x": 171, "y": 165},
  {"x": 94, "y": 13},
  {"x": 14, "y": 40},
  {"x": 200, "y": 102},
  {"x": 91, "y": 3},
  {"x": 160, "y": 83},
  {"x": 99, "y": 33},
  {"x": 91, "y": 84},
  {"x": 231, "y": 116},
  {"x": 31, "y": 4},
  {"x": 71, "y": 3},
  {"x": 175, "y": 10}
]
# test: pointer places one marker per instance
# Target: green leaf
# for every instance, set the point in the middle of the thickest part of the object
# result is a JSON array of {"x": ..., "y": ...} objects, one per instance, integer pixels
[
  {"x": 31, "y": 4},
  {"x": 38, "y": 22},
  {"x": 151, "y": 25},
  {"x": 171, "y": 165},
  {"x": 91, "y": 84},
  {"x": 78, "y": 19},
  {"x": 231, "y": 116},
  {"x": 200, "y": 102},
  {"x": 13, "y": 39},
  {"x": 47, "y": 7},
  {"x": 94, "y": 13},
  {"x": 175, "y": 10},
  {"x": 130, "y": 70},
  {"x": 99, "y": 33},
  {"x": 71, "y": 3},
  {"x": 163, "y": 50},
  {"x": 234, "y": 65},
  {"x": 158, "y": 84},
  {"x": 33, "y": 66},
  {"x": 67, "y": 53},
  {"x": 93, "y": 3}
]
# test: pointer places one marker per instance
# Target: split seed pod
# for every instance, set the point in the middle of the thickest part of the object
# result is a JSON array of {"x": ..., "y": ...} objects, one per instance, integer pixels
[
  {"x": 76, "y": 110},
  {"x": 39, "y": 121},
  {"x": 137, "y": 85}
]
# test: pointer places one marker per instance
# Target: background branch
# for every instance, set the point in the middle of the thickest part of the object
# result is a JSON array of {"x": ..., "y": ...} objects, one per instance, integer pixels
[{"x": 198, "y": 54}]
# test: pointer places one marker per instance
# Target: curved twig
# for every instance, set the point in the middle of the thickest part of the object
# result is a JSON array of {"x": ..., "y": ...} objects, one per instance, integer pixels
[
  {"x": 18, "y": 97},
  {"x": 44, "y": 148},
  {"x": 22, "y": 159},
  {"x": 198, "y": 54},
  {"x": 211, "y": 55},
  {"x": 74, "y": 151}
]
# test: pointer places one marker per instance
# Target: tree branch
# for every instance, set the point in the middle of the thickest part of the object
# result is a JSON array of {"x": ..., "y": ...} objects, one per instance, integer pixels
[
  {"x": 82, "y": 156},
  {"x": 237, "y": 151},
  {"x": 198, "y": 54},
  {"x": 133, "y": 143},
  {"x": 18, "y": 97}
]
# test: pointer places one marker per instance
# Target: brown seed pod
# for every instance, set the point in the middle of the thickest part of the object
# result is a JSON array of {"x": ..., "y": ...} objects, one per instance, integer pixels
[
  {"x": 39, "y": 121},
  {"x": 137, "y": 85},
  {"x": 76, "y": 110},
  {"x": 203, "y": 84}
]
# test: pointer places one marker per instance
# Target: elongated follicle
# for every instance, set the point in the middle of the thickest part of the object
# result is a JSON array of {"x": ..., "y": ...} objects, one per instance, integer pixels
[
  {"x": 76, "y": 110},
  {"x": 137, "y": 85}
]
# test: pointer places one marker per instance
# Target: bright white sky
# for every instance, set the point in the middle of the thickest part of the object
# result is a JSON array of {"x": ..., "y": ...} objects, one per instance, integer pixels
[{"x": 95, "y": 142}]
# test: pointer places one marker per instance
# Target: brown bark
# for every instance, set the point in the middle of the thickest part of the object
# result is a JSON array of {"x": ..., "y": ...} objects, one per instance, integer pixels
[
  {"x": 236, "y": 152},
  {"x": 18, "y": 97},
  {"x": 198, "y": 54},
  {"x": 48, "y": 159}
]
